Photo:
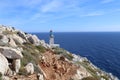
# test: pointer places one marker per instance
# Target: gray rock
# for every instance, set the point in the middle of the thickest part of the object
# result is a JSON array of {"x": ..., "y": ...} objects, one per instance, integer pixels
[
  {"x": 22, "y": 34},
  {"x": 11, "y": 53},
  {"x": 33, "y": 39},
  {"x": 18, "y": 39}
]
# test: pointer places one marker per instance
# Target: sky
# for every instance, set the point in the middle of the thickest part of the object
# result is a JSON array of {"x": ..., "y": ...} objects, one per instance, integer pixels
[{"x": 61, "y": 15}]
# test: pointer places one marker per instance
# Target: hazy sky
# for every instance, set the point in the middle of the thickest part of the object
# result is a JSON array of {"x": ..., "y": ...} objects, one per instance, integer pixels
[{"x": 61, "y": 15}]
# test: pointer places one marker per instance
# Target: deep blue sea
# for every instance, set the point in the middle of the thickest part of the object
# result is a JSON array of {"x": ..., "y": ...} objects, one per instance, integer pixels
[{"x": 101, "y": 48}]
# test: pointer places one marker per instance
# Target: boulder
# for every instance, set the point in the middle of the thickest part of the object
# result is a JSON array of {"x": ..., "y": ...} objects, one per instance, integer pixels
[
  {"x": 29, "y": 68},
  {"x": 18, "y": 39},
  {"x": 3, "y": 40},
  {"x": 12, "y": 43},
  {"x": 16, "y": 65},
  {"x": 3, "y": 65},
  {"x": 11, "y": 53},
  {"x": 22, "y": 35},
  {"x": 33, "y": 39}
]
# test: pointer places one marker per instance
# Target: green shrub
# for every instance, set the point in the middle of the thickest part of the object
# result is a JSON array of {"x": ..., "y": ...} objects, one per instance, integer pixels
[{"x": 41, "y": 48}]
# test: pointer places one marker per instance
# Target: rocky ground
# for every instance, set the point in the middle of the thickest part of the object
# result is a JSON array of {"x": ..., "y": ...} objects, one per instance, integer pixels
[
  {"x": 57, "y": 68},
  {"x": 25, "y": 57}
]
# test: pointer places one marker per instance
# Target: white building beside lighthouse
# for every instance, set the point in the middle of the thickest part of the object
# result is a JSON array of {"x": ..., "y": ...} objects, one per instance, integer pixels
[{"x": 51, "y": 40}]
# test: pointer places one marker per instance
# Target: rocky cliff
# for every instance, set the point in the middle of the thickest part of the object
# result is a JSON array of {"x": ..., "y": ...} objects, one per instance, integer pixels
[{"x": 25, "y": 57}]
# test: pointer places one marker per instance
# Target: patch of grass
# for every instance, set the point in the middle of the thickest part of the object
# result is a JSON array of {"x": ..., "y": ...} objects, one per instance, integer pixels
[
  {"x": 6, "y": 32},
  {"x": 63, "y": 52},
  {"x": 41, "y": 48},
  {"x": 0, "y": 76},
  {"x": 105, "y": 77},
  {"x": 28, "y": 57},
  {"x": 31, "y": 53},
  {"x": 89, "y": 69},
  {"x": 22, "y": 71},
  {"x": 1, "y": 36},
  {"x": 90, "y": 78}
]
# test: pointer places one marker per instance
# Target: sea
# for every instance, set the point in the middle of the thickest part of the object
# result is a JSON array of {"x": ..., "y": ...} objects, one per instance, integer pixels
[{"x": 101, "y": 48}]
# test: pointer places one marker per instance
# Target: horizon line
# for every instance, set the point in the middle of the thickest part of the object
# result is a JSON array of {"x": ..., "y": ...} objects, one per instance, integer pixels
[{"x": 71, "y": 31}]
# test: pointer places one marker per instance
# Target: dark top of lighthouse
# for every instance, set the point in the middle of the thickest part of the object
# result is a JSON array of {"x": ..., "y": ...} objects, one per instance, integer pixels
[{"x": 51, "y": 34}]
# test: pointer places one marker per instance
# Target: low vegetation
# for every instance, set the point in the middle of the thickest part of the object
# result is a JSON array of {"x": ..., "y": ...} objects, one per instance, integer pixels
[
  {"x": 31, "y": 54},
  {"x": 41, "y": 48},
  {"x": 0, "y": 76},
  {"x": 63, "y": 52},
  {"x": 90, "y": 78},
  {"x": 7, "y": 32}
]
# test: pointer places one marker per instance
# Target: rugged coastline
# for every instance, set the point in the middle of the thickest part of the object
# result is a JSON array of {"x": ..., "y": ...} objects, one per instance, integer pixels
[{"x": 25, "y": 57}]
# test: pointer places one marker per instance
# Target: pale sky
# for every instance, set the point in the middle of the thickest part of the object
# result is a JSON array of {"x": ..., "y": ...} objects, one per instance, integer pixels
[{"x": 61, "y": 15}]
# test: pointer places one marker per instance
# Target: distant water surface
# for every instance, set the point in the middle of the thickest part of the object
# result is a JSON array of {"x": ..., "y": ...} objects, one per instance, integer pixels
[{"x": 101, "y": 48}]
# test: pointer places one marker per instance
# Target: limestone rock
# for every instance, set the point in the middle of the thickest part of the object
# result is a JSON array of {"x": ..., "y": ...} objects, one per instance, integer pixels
[
  {"x": 22, "y": 34},
  {"x": 3, "y": 65},
  {"x": 33, "y": 39},
  {"x": 29, "y": 68},
  {"x": 3, "y": 40},
  {"x": 11, "y": 53},
  {"x": 12, "y": 43},
  {"x": 17, "y": 65},
  {"x": 18, "y": 39}
]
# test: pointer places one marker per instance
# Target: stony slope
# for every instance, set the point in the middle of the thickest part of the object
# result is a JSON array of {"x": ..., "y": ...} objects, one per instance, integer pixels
[{"x": 19, "y": 51}]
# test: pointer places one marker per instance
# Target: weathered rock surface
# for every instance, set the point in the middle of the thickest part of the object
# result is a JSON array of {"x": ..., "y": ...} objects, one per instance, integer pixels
[
  {"x": 81, "y": 73},
  {"x": 12, "y": 43},
  {"x": 3, "y": 40},
  {"x": 3, "y": 65},
  {"x": 29, "y": 68},
  {"x": 33, "y": 39},
  {"x": 11, "y": 53},
  {"x": 40, "y": 76},
  {"x": 22, "y": 35},
  {"x": 18, "y": 39},
  {"x": 16, "y": 65}
]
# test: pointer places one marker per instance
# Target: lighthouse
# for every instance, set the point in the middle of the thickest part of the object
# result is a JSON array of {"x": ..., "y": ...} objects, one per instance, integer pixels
[{"x": 51, "y": 40}]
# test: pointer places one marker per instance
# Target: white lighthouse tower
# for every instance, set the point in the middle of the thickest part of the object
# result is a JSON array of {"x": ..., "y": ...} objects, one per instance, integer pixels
[{"x": 51, "y": 40}]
